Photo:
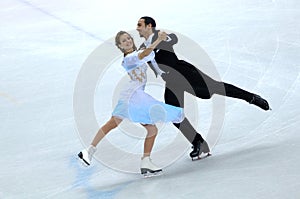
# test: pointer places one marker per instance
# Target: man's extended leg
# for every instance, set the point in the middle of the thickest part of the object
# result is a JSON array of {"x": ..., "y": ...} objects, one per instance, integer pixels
[
  {"x": 229, "y": 90},
  {"x": 203, "y": 86},
  {"x": 211, "y": 86}
]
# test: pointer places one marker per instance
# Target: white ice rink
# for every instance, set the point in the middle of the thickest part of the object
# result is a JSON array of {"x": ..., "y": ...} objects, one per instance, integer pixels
[{"x": 253, "y": 44}]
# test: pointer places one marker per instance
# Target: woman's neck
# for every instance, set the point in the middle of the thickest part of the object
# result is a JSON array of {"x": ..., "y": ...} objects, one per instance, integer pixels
[{"x": 128, "y": 52}]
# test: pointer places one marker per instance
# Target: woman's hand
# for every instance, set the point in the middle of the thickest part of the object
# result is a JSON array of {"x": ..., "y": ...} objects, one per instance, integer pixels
[{"x": 162, "y": 36}]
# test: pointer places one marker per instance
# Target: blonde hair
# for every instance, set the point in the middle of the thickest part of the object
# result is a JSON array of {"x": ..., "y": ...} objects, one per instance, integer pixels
[{"x": 117, "y": 40}]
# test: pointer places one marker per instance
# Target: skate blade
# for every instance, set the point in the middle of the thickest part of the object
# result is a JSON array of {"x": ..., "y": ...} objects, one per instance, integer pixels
[
  {"x": 200, "y": 157},
  {"x": 82, "y": 161},
  {"x": 150, "y": 175}
]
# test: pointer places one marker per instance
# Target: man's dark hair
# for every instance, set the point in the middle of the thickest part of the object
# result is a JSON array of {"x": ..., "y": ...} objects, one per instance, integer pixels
[{"x": 149, "y": 20}]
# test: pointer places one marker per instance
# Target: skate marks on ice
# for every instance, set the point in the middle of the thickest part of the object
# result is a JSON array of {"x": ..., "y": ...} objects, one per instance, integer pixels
[
  {"x": 9, "y": 98},
  {"x": 92, "y": 182},
  {"x": 189, "y": 176},
  {"x": 60, "y": 19},
  {"x": 84, "y": 181}
]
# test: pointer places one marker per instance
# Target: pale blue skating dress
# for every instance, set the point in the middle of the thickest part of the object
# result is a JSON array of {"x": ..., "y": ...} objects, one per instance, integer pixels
[{"x": 135, "y": 104}]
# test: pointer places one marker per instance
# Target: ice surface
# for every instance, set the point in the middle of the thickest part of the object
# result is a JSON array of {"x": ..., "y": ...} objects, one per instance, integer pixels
[{"x": 253, "y": 44}]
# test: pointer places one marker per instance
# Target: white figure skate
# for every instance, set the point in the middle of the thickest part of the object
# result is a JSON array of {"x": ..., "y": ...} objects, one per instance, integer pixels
[
  {"x": 86, "y": 155},
  {"x": 148, "y": 169}
]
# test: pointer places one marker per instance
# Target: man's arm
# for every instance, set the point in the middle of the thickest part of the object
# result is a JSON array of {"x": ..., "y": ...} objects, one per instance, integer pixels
[
  {"x": 167, "y": 45},
  {"x": 173, "y": 39}
]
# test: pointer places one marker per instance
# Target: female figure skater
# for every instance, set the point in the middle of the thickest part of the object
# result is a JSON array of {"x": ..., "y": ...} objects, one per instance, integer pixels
[{"x": 134, "y": 104}]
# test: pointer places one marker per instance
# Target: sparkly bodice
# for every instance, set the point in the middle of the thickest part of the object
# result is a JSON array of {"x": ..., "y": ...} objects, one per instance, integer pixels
[
  {"x": 135, "y": 67},
  {"x": 139, "y": 74}
]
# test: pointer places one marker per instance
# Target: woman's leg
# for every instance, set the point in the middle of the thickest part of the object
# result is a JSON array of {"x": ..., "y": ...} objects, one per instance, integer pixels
[
  {"x": 105, "y": 129},
  {"x": 146, "y": 164},
  {"x": 149, "y": 140},
  {"x": 86, "y": 154}
]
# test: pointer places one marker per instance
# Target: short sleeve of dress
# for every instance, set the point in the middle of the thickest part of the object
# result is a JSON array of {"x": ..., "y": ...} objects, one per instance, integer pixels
[{"x": 132, "y": 60}]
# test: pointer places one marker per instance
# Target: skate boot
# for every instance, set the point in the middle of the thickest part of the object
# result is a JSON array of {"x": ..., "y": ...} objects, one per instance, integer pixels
[
  {"x": 149, "y": 169},
  {"x": 199, "y": 148},
  {"x": 260, "y": 102},
  {"x": 86, "y": 155}
]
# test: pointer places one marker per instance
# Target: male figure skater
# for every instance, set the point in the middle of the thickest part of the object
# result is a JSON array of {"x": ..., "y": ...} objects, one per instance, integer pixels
[{"x": 181, "y": 76}]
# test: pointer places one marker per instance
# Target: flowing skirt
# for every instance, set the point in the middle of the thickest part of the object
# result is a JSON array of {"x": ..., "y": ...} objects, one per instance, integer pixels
[{"x": 138, "y": 106}]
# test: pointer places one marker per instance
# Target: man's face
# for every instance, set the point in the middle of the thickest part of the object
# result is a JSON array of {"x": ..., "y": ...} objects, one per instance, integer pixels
[{"x": 143, "y": 29}]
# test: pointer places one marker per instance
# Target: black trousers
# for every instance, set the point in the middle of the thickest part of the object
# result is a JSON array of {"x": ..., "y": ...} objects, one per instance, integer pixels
[{"x": 186, "y": 77}]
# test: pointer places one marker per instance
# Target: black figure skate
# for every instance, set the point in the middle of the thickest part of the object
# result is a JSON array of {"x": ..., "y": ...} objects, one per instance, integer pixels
[
  {"x": 199, "y": 148},
  {"x": 260, "y": 102}
]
